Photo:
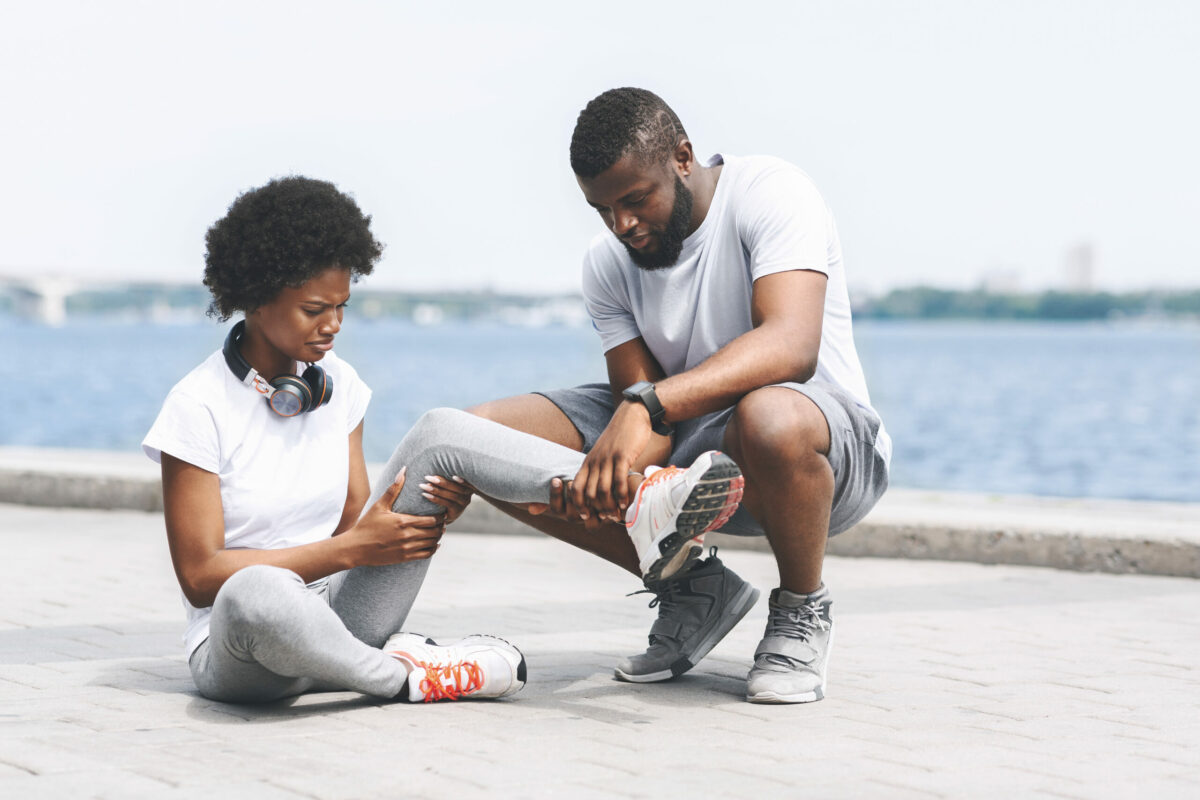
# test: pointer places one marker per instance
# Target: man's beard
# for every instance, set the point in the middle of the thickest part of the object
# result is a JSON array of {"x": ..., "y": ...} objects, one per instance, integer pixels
[{"x": 670, "y": 241}]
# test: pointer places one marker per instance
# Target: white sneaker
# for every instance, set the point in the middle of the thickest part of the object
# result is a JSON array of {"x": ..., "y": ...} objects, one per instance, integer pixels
[
  {"x": 674, "y": 508},
  {"x": 476, "y": 667}
]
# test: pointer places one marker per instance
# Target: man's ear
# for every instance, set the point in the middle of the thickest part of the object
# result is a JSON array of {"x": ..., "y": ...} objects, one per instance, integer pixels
[{"x": 683, "y": 158}]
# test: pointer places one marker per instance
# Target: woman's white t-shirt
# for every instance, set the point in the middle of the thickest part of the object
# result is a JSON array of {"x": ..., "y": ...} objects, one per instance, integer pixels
[{"x": 283, "y": 480}]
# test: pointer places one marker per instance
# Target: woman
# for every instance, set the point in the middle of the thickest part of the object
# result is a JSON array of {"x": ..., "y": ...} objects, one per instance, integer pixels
[{"x": 286, "y": 588}]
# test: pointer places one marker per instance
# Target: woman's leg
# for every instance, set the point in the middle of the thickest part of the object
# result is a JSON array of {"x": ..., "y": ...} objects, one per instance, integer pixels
[
  {"x": 271, "y": 637},
  {"x": 500, "y": 462}
]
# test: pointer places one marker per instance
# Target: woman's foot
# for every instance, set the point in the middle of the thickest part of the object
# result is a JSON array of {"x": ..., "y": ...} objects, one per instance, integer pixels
[
  {"x": 673, "y": 509},
  {"x": 474, "y": 667}
]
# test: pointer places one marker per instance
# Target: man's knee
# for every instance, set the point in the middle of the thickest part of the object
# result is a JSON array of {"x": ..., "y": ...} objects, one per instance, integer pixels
[
  {"x": 777, "y": 424},
  {"x": 534, "y": 414}
]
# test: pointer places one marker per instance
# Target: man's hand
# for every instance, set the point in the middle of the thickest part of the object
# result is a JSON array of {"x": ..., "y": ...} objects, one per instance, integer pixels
[
  {"x": 384, "y": 537},
  {"x": 562, "y": 506},
  {"x": 601, "y": 486}
]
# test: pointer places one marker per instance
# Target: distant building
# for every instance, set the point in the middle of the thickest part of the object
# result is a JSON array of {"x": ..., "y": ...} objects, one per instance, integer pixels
[
  {"x": 1079, "y": 268},
  {"x": 1001, "y": 280},
  {"x": 39, "y": 298}
]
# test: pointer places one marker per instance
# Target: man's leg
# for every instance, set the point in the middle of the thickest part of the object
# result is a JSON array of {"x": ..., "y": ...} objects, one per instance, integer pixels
[
  {"x": 807, "y": 451},
  {"x": 538, "y": 416},
  {"x": 780, "y": 439},
  {"x": 696, "y": 608}
]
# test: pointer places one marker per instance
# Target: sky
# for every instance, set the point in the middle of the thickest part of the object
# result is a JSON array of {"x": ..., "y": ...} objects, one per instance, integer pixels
[{"x": 955, "y": 141}]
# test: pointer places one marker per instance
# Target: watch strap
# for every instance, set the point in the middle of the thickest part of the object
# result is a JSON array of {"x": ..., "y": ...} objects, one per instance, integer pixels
[{"x": 643, "y": 392}]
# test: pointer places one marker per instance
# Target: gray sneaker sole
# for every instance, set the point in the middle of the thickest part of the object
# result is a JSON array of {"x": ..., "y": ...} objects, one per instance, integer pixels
[
  {"x": 705, "y": 506},
  {"x": 734, "y": 611}
]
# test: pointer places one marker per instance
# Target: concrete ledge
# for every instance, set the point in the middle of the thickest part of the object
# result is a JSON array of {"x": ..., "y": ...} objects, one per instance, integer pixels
[
  {"x": 1076, "y": 534},
  {"x": 79, "y": 479}
]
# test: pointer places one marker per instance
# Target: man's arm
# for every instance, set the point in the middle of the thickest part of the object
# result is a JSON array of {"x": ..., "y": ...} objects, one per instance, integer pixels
[{"x": 786, "y": 310}]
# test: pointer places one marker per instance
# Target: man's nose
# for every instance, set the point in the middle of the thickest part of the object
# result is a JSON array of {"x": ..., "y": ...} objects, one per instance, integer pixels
[{"x": 623, "y": 222}]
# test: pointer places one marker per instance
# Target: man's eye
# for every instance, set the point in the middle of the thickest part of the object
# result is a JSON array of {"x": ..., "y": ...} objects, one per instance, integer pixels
[{"x": 312, "y": 312}]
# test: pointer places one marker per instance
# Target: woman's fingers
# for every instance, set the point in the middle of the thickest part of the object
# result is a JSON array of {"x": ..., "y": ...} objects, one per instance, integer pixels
[{"x": 390, "y": 495}]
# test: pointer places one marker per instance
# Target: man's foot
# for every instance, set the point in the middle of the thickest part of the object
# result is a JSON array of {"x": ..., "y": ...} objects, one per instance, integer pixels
[
  {"x": 695, "y": 611},
  {"x": 475, "y": 667},
  {"x": 793, "y": 657},
  {"x": 674, "y": 508}
]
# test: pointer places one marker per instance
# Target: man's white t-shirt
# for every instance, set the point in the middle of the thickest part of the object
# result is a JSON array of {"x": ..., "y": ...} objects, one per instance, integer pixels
[
  {"x": 766, "y": 216},
  {"x": 283, "y": 480}
]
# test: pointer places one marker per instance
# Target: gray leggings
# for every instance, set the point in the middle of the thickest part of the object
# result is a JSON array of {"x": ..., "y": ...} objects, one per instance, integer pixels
[{"x": 270, "y": 636}]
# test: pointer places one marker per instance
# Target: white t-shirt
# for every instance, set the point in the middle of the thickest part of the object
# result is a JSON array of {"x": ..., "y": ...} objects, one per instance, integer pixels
[
  {"x": 766, "y": 216},
  {"x": 283, "y": 480}
]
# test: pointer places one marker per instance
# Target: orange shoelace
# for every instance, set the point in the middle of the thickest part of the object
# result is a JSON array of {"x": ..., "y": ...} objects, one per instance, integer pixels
[
  {"x": 660, "y": 475},
  {"x": 450, "y": 681}
]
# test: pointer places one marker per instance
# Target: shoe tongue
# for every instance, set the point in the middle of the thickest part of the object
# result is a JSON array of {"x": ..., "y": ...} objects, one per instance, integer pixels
[{"x": 794, "y": 600}]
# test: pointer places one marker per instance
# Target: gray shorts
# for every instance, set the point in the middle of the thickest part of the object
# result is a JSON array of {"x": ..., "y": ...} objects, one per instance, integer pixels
[{"x": 860, "y": 473}]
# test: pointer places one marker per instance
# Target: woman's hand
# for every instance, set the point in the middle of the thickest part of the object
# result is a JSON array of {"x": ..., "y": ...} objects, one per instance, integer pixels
[
  {"x": 452, "y": 494},
  {"x": 384, "y": 537}
]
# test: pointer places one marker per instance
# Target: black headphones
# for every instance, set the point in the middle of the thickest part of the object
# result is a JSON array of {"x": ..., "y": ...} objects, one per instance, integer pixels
[{"x": 287, "y": 395}]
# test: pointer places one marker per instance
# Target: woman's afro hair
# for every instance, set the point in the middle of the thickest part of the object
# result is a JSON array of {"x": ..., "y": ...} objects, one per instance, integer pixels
[{"x": 282, "y": 235}]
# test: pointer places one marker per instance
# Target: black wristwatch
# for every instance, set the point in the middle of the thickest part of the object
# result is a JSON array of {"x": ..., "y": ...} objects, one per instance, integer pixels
[{"x": 643, "y": 392}]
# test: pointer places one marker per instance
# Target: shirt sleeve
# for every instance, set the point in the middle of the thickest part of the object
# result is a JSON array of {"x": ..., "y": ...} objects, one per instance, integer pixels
[
  {"x": 185, "y": 429},
  {"x": 784, "y": 222},
  {"x": 358, "y": 395},
  {"x": 607, "y": 299}
]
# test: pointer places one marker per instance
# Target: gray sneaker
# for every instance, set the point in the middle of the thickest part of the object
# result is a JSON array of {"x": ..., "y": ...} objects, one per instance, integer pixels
[
  {"x": 695, "y": 611},
  {"x": 793, "y": 656}
]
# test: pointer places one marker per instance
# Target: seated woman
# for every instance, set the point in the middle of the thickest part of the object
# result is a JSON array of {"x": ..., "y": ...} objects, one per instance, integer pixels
[
  {"x": 286, "y": 589},
  {"x": 288, "y": 585}
]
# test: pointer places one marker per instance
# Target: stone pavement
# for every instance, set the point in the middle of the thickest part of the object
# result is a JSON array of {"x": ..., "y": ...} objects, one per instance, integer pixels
[{"x": 948, "y": 680}]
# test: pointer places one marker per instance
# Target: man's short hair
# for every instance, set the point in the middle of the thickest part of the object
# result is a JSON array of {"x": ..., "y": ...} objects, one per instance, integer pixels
[{"x": 623, "y": 121}]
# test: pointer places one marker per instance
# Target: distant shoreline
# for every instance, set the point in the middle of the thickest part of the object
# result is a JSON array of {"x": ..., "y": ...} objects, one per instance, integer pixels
[{"x": 172, "y": 302}]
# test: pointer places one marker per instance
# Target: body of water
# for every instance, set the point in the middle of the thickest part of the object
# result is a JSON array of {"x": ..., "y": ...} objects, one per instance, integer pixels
[{"x": 1077, "y": 409}]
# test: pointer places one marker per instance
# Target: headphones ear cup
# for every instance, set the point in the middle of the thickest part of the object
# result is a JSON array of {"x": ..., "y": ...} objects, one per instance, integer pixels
[
  {"x": 292, "y": 396},
  {"x": 320, "y": 383}
]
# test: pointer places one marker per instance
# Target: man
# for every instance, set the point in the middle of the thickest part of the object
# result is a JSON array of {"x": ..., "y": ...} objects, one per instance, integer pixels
[{"x": 720, "y": 300}]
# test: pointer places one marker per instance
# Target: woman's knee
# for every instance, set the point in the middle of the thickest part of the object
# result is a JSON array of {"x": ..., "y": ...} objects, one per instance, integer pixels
[
  {"x": 256, "y": 594},
  {"x": 441, "y": 422}
]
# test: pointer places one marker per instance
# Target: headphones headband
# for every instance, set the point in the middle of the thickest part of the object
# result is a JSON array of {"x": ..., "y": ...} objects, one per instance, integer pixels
[{"x": 239, "y": 366}]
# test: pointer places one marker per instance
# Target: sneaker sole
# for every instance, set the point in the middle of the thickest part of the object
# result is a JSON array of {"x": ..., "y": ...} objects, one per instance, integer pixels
[
  {"x": 709, "y": 505},
  {"x": 774, "y": 698},
  {"x": 734, "y": 612}
]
